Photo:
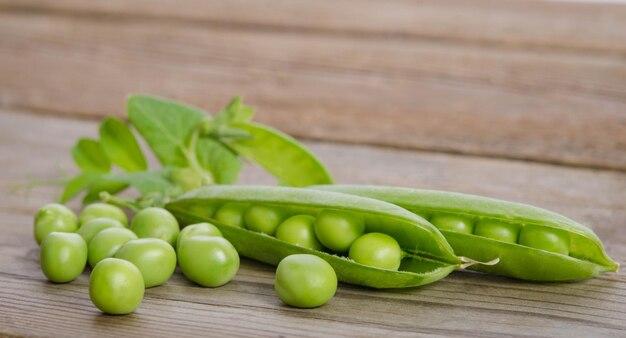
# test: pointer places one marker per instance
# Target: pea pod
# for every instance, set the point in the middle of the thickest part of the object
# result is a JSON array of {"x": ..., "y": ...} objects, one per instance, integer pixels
[
  {"x": 281, "y": 155},
  {"x": 531, "y": 243},
  {"x": 429, "y": 257}
]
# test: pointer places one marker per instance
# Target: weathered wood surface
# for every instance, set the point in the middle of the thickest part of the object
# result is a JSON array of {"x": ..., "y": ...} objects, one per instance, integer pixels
[
  {"x": 464, "y": 304},
  {"x": 535, "y": 80},
  {"x": 387, "y": 92}
]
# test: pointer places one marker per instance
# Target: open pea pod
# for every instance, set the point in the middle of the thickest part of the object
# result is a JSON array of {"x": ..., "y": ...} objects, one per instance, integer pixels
[
  {"x": 429, "y": 257},
  {"x": 531, "y": 243}
]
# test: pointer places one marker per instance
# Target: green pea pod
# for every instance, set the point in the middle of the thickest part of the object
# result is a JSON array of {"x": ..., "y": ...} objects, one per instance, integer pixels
[
  {"x": 429, "y": 257},
  {"x": 281, "y": 155},
  {"x": 582, "y": 255}
]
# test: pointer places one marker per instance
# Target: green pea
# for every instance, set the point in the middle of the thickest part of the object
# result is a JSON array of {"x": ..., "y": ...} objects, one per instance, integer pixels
[
  {"x": 337, "y": 230},
  {"x": 198, "y": 229},
  {"x": 264, "y": 218},
  {"x": 231, "y": 214},
  {"x": 499, "y": 231},
  {"x": 544, "y": 238},
  {"x": 155, "y": 258},
  {"x": 454, "y": 223},
  {"x": 378, "y": 250},
  {"x": 90, "y": 229},
  {"x": 116, "y": 286},
  {"x": 106, "y": 243},
  {"x": 102, "y": 210},
  {"x": 305, "y": 281},
  {"x": 208, "y": 261},
  {"x": 156, "y": 223},
  {"x": 298, "y": 230},
  {"x": 63, "y": 256},
  {"x": 204, "y": 211},
  {"x": 54, "y": 217}
]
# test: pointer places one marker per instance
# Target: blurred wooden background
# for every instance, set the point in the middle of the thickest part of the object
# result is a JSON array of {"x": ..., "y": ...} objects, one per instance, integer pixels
[{"x": 523, "y": 100}]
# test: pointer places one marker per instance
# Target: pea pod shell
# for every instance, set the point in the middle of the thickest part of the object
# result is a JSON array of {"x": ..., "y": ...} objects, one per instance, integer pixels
[
  {"x": 587, "y": 255},
  {"x": 281, "y": 155},
  {"x": 432, "y": 257}
]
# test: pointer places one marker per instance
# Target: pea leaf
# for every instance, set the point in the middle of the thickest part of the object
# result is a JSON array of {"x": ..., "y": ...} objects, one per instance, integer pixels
[
  {"x": 166, "y": 126},
  {"x": 90, "y": 157},
  {"x": 120, "y": 145},
  {"x": 78, "y": 184},
  {"x": 223, "y": 164},
  {"x": 238, "y": 112},
  {"x": 102, "y": 183},
  {"x": 145, "y": 182}
]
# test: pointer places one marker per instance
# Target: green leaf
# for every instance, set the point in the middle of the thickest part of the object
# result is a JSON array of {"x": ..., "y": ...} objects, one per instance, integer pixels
[
  {"x": 231, "y": 134},
  {"x": 166, "y": 125},
  {"x": 101, "y": 184},
  {"x": 281, "y": 155},
  {"x": 120, "y": 145},
  {"x": 220, "y": 161},
  {"x": 238, "y": 112},
  {"x": 77, "y": 184},
  {"x": 89, "y": 156},
  {"x": 145, "y": 182}
]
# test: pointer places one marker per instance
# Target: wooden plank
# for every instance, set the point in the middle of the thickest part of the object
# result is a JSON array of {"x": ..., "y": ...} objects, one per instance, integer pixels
[
  {"x": 464, "y": 304},
  {"x": 584, "y": 26},
  {"x": 420, "y": 93}
]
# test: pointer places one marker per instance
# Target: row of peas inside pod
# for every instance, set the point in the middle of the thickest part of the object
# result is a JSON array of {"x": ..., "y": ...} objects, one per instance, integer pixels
[
  {"x": 366, "y": 241},
  {"x": 530, "y": 243},
  {"x": 126, "y": 260},
  {"x": 340, "y": 232}
]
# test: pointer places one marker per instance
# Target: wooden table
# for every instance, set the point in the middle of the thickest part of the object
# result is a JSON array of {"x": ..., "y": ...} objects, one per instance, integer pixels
[{"x": 521, "y": 100}]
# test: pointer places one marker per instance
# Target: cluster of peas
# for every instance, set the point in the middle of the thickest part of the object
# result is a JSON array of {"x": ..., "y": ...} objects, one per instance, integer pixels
[
  {"x": 125, "y": 261},
  {"x": 330, "y": 230}
]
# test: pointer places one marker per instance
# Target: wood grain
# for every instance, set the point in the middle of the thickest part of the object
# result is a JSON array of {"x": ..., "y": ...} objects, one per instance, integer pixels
[
  {"x": 552, "y": 90},
  {"x": 521, "y": 24},
  {"x": 464, "y": 304}
]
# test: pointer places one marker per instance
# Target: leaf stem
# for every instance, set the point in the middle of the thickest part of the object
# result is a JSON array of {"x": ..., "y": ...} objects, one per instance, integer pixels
[
  {"x": 192, "y": 158},
  {"x": 119, "y": 201}
]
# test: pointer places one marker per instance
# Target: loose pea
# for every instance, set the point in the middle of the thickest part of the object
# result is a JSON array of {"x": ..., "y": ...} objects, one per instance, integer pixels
[
  {"x": 454, "y": 223},
  {"x": 378, "y": 250},
  {"x": 544, "y": 238},
  {"x": 264, "y": 218},
  {"x": 231, "y": 214},
  {"x": 106, "y": 243},
  {"x": 90, "y": 229},
  {"x": 305, "y": 281},
  {"x": 298, "y": 230},
  {"x": 63, "y": 256},
  {"x": 337, "y": 230},
  {"x": 156, "y": 223},
  {"x": 199, "y": 229},
  {"x": 116, "y": 286},
  {"x": 208, "y": 261},
  {"x": 155, "y": 258},
  {"x": 54, "y": 217},
  {"x": 100, "y": 210},
  {"x": 499, "y": 231}
]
